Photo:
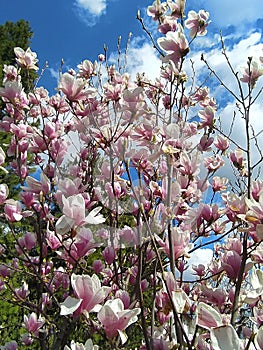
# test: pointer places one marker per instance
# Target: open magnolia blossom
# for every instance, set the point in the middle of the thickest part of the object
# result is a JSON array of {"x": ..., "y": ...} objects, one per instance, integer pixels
[
  {"x": 79, "y": 346},
  {"x": 116, "y": 319},
  {"x": 175, "y": 45},
  {"x": 75, "y": 214},
  {"x": 89, "y": 292},
  {"x": 26, "y": 59},
  {"x": 222, "y": 335}
]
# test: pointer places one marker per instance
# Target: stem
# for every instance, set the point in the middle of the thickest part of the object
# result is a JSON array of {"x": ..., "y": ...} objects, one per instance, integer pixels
[
  {"x": 179, "y": 327},
  {"x": 234, "y": 314},
  {"x": 168, "y": 204},
  {"x": 140, "y": 295}
]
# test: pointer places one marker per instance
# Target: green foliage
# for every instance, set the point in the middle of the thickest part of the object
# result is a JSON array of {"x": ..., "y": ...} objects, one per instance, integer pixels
[
  {"x": 11, "y": 317},
  {"x": 13, "y": 35}
]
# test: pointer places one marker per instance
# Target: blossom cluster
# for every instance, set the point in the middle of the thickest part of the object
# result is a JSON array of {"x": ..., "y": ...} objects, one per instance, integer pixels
[{"x": 120, "y": 185}]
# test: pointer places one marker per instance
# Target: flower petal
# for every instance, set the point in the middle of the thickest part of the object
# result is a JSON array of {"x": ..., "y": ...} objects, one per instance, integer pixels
[{"x": 69, "y": 305}]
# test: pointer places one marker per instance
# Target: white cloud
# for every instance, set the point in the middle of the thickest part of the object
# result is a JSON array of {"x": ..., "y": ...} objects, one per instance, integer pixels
[
  {"x": 238, "y": 55},
  {"x": 144, "y": 60},
  {"x": 96, "y": 8},
  {"x": 89, "y": 11},
  {"x": 229, "y": 12},
  {"x": 54, "y": 73},
  {"x": 199, "y": 256},
  {"x": 141, "y": 58}
]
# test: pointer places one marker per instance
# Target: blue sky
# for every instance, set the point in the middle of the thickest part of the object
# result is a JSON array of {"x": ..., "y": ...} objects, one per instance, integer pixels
[
  {"x": 78, "y": 29},
  {"x": 74, "y": 30}
]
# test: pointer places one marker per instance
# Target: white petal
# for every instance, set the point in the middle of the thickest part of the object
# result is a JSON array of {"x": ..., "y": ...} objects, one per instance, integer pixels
[
  {"x": 70, "y": 305},
  {"x": 123, "y": 336},
  {"x": 64, "y": 225},
  {"x": 180, "y": 299},
  {"x": 259, "y": 338},
  {"x": 95, "y": 218},
  {"x": 207, "y": 316},
  {"x": 224, "y": 338}
]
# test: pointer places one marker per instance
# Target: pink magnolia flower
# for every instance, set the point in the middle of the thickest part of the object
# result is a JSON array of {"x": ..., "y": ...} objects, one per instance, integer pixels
[
  {"x": 177, "y": 8},
  {"x": 207, "y": 116},
  {"x": 181, "y": 243},
  {"x": 230, "y": 262},
  {"x": 74, "y": 211},
  {"x": 156, "y": 10},
  {"x": 164, "y": 306},
  {"x": 113, "y": 91},
  {"x": 207, "y": 316},
  {"x": 4, "y": 191},
  {"x": 61, "y": 278},
  {"x": 109, "y": 254},
  {"x": 5, "y": 271},
  {"x": 132, "y": 101},
  {"x": 235, "y": 205},
  {"x": 224, "y": 335},
  {"x": 197, "y": 23},
  {"x": 53, "y": 240},
  {"x": 116, "y": 319},
  {"x": 82, "y": 245},
  {"x": 160, "y": 344},
  {"x": 237, "y": 159},
  {"x": 124, "y": 296},
  {"x": 26, "y": 339},
  {"x": 98, "y": 266},
  {"x": 75, "y": 88},
  {"x": 101, "y": 57},
  {"x": 219, "y": 183},
  {"x": 13, "y": 92},
  {"x": 36, "y": 186},
  {"x": 11, "y": 73},
  {"x": 79, "y": 346},
  {"x": 89, "y": 293},
  {"x": 26, "y": 59},
  {"x": 27, "y": 241},
  {"x": 23, "y": 291},
  {"x": 33, "y": 323},
  {"x": 114, "y": 191},
  {"x": 128, "y": 235},
  {"x": 205, "y": 143},
  {"x": 213, "y": 163},
  {"x": 169, "y": 24},
  {"x": 251, "y": 73},
  {"x": 58, "y": 103},
  {"x": 221, "y": 143},
  {"x": 87, "y": 69},
  {"x": 12, "y": 210},
  {"x": 2, "y": 156},
  {"x": 216, "y": 296},
  {"x": 199, "y": 269},
  {"x": 175, "y": 45},
  {"x": 68, "y": 187},
  {"x": 11, "y": 345},
  {"x": 256, "y": 189},
  {"x": 255, "y": 214},
  {"x": 52, "y": 130}
]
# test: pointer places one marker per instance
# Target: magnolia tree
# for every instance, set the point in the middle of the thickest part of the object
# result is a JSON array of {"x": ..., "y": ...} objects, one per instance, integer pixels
[{"x": 131, "y": 179}]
